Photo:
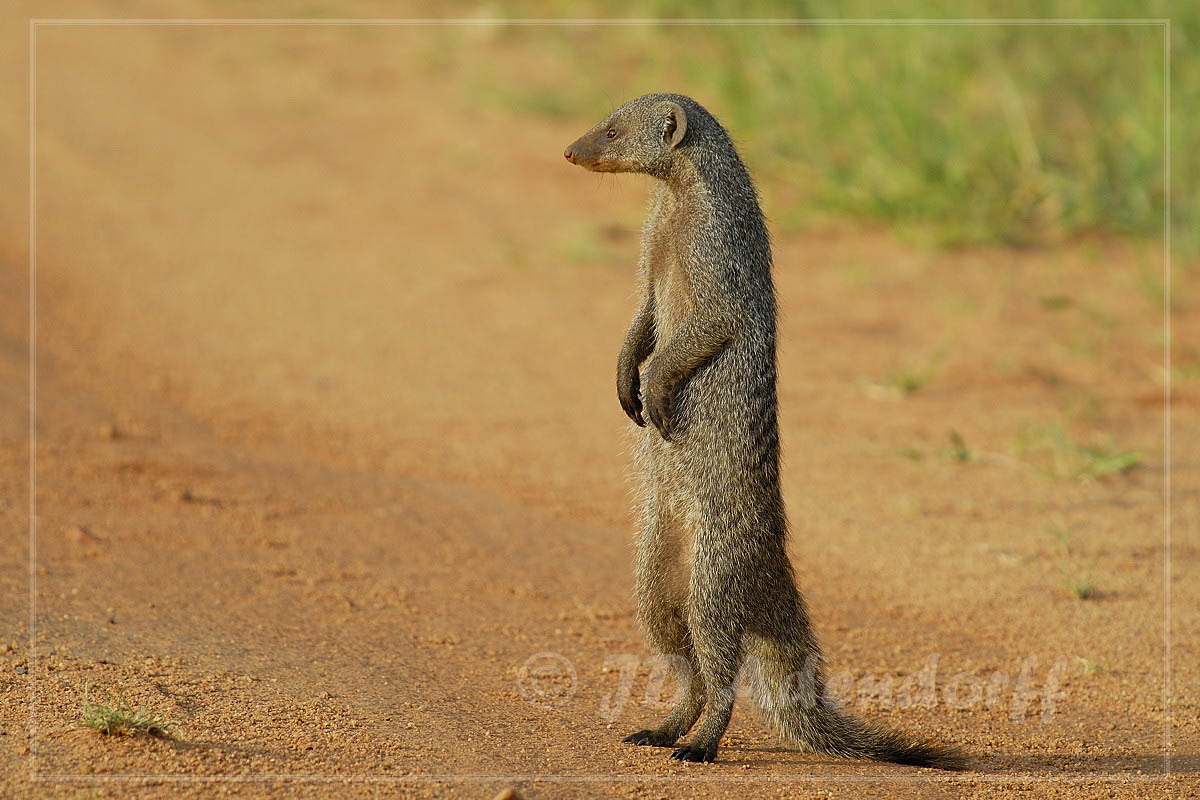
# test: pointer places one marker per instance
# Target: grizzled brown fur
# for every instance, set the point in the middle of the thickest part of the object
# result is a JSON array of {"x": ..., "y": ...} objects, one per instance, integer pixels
[{"x": 715, "y": 589}]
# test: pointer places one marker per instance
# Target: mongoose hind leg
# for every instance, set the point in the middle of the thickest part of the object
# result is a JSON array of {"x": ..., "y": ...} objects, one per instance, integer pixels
[
  {"x": 691, "y": 703},
  {"x": 662, "y": 596},
  {"x": 717, "y": 639},
  {"x": 682, "y": 717}
]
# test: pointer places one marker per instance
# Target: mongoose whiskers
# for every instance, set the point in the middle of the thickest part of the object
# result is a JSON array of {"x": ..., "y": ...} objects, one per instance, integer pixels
[{"x": 715, "y": 588}]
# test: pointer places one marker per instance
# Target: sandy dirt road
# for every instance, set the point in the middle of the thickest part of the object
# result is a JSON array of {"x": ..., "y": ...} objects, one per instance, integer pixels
[{"x": 328, "y": 453}]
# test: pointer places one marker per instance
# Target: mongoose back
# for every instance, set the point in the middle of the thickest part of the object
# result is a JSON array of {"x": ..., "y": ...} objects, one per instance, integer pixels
[{"x": 715, "y": 588}]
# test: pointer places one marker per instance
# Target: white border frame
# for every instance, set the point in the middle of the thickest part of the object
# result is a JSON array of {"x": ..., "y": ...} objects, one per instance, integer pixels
[{"x": 36, "y": 23}]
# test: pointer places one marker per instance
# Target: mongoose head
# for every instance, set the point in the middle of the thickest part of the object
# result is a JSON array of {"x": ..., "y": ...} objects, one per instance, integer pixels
[{"x": 644, "y": 135}]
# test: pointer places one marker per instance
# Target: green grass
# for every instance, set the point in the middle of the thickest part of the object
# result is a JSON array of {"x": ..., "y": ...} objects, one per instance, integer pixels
[
  {"x": 1055, "y": 302},
  {"x": 1187, "y": 371},
  {"x": 1016, "y": 134},
  {"x": 1081, "y": 586},
  {"x": 958, "y": 448},
  {"x": 1092, "y": 666},
  {"x": 120, "y": 718},
  {"x": 1079, "y": 583},
  {"x": 1049, "y": 449},
  {"x": 909, "y": 380},
  {"x": 903, "y": 382}
]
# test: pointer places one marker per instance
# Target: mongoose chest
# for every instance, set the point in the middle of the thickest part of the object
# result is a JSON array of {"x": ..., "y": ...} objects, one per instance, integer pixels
[{"x": 665, "y": 245}]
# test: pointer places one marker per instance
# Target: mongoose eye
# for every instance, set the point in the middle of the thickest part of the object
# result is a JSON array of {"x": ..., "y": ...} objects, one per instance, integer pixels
[{"x": 612, "y": 133}]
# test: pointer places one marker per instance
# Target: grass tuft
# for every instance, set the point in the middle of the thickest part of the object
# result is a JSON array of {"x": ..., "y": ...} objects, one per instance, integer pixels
[
  {"x": 904, "y": 381},
  {"x": 1079, "y": 583},
  {"x": 907, "y": 381},
  {"x": 123, "y": 719},
  {"x": 1055, "y": 302},
  {"x": 1050, "y": 450},
  {"x": 958, "y": 448},
  {"x": 1081, "y": 586}
]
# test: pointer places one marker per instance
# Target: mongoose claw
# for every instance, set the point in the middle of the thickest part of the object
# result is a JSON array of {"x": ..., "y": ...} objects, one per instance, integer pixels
[
  {"x": 659, "y": 400},
  {"x": 696, "y": 754},
  {"x": 650, "y": 737},
  {"x": 660, "y": 415},
  {"x": 633, "y": 410},
  {"x": 628, "y": 392}
]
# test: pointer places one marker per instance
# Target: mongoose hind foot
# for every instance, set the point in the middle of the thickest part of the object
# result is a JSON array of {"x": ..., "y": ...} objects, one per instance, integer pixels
[
  {"x": 695, "y": 754},
  {"x": 651, "y": 737}
]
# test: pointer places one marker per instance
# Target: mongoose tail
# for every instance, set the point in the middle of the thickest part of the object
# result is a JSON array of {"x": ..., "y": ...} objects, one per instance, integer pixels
[
  {"x": 789, "y": 687},
  {"x": 831, "y": 731}
]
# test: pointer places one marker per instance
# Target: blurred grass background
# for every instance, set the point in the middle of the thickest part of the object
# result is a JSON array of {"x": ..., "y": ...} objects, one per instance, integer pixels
[{"x": 1012, "y": 134}]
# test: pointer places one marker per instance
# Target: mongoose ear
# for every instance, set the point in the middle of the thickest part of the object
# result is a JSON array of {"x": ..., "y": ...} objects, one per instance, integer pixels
[{"x": 675, "y": 125}]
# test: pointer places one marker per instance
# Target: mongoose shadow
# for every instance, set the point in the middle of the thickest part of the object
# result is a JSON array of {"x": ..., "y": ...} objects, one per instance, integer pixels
[{"x": 715, "y": 588}]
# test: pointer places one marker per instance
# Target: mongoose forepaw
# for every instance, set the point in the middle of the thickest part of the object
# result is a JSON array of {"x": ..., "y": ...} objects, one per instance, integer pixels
[
  {"x": 695, "y": 754},
  {"x": 659, "y": 405},
  {"x": 662, "y": 420},
  {"x": 651, "y": 737},
  {"x": 629, "y": 393}
]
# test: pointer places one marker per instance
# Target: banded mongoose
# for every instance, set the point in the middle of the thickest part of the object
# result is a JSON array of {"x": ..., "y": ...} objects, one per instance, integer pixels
[{"x": 715, "y": 588}]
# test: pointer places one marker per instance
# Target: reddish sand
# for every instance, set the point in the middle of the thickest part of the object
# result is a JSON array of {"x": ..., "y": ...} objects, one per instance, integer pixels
[{"x": 328, "y": 451}]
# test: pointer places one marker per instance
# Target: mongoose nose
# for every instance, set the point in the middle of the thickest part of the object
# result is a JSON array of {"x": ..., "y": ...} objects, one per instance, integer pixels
[{"x": 569, "y": 156}]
